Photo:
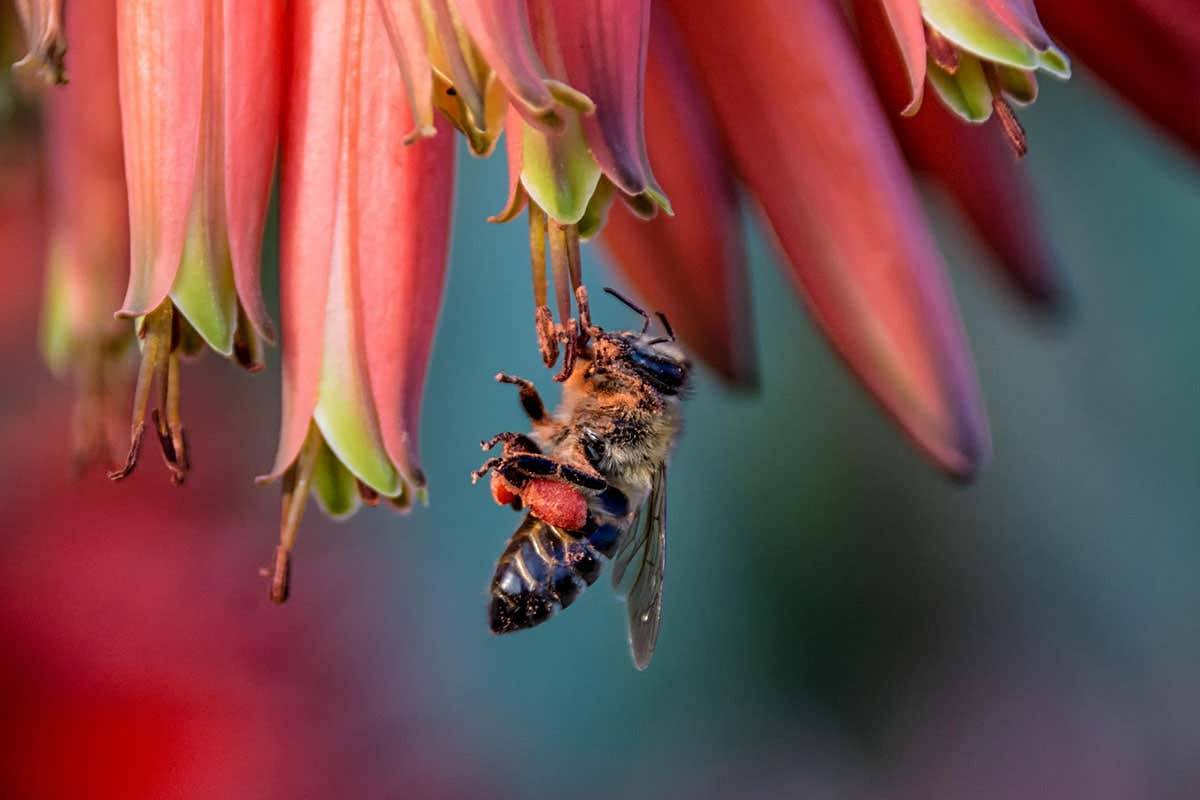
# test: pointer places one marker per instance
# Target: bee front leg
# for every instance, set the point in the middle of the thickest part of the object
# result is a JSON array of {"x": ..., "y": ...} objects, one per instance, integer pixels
[{"x": 531, "y": 401}]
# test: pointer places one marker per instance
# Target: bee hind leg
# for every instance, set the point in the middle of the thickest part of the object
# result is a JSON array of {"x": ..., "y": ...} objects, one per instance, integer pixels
[{"x": 535, "y": 465}]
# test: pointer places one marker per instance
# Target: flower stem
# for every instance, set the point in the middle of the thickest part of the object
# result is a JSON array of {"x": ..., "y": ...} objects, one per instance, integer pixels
[{"x": 296, "y": 483}]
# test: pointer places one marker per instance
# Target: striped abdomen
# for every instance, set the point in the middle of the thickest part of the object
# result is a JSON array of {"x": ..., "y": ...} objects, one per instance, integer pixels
[{"x": 545, "y": 568}]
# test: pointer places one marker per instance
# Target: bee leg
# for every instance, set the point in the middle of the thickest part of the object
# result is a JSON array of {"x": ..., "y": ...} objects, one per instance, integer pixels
[
  {"x": 517, "y": 442},
  {"x": 488, "y": 466},
  {"x": 533, "y": 465},
  {"x": 531, "y": 401}
]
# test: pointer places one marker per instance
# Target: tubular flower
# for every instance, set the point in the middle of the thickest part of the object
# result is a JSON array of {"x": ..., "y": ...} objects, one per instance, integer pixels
[
  {"x": 364, "y": 230},
  {"x": 88, "y": 248},
  {"x": 46, "y": 40},
  {"x": 567, "y": 177},
  {"x": 977, "y": 54},
  {"x": 199, "y": 152},
  {"x": 470, "y": 59},
  {"x": 973, "y": 164}
]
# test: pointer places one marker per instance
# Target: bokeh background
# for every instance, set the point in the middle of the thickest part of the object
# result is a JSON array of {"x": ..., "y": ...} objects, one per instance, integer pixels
[{"x": 840, "y": 620}]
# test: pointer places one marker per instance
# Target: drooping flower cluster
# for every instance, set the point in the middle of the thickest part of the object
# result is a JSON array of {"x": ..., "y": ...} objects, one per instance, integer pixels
[{"x": 351, "y": 105}]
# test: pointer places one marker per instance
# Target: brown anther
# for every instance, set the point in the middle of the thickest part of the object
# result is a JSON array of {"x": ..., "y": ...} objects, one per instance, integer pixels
[
  {"x": 586, "y": 329},
  {"x": 296, "y": 483},
  {"x": 402, "y": 502},
  {"x": 569, "y": 336},
  {"x": 169, "y": 424},
  {"x": 543, "y": 324},
  {"x": 1014, "y": 132},
  {"x": 367, "y": 494},
  {"x": 941, "y": 50},
  {"x": 247, "y": 347},
  {"x": 281, "y": 577}
]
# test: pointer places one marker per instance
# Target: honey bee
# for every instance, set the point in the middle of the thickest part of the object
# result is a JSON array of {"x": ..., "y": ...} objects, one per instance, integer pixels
[{"x": 593, "y": 477}]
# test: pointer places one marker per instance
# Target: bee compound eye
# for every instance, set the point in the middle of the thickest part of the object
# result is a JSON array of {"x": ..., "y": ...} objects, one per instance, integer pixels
[{"x": 593, "y": 447}]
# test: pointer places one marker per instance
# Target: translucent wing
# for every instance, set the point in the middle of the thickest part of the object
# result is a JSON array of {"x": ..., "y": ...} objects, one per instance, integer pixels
[{"x": 645, "y": 551}]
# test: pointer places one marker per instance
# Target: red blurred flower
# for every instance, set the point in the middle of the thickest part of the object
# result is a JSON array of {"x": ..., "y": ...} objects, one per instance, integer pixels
[{"x": 88, "y": 248}]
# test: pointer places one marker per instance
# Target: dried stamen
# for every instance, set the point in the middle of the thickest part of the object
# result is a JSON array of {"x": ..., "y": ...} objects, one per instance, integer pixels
[
  {"x": 157, "y": 335},
  {"x": 247, "y": 346},
  {"x": 296, "y": 483},
  {"x": 169, "y": 423},
  {"x": 1013, "y": 130},
  {"x": 368, "y": 495},
  {"x": 941, "y": 50}
]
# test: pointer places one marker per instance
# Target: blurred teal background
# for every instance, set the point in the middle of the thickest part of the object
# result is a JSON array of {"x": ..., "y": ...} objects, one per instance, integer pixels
[{"x": 840, "y": 620}]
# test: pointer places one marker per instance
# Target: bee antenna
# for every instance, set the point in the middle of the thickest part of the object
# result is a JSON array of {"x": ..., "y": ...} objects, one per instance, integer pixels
[
  {"x": 666, "y": 325},
  {"x": 637, "y": 309}
]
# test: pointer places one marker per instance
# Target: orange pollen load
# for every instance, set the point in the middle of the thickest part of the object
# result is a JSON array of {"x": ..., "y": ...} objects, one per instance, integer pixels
[
  {"x": 556, "y": 502},
  {"x": 502, "y": 492}
]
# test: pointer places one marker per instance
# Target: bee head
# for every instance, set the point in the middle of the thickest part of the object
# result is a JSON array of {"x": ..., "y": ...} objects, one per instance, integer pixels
[{"x": 655, "y": 359}]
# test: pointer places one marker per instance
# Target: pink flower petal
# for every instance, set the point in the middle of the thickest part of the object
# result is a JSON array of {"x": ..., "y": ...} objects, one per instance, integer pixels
[
  {"x": 690, "y": 265},
  {"x": 808, "y": 137},
  {"x": 603, "y": 46},
  {"x": 908, "y": 28},
  {"x": 252, "y": 60},
  {"x": 162, "y": 82},
  {"x": 310, "y": 156},
  {"x": 501, "y": 30},
  {"x": 406, "y": 31},
  {"x": 403, "y": 209},
  {"x": 513, "y": 149}
]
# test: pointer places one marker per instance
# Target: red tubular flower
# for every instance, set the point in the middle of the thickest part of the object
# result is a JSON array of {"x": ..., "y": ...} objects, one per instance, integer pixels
[
  {"x": 88, "y": 251},
  {"x": 689, "y": 265},
  {"x": 972, "y": 163},
  {"x": 1147, "y": 50},
  {"x": 364, "y": 231},
  {"x": 831, "y": 183},
  {"x": 200, "y": 142}
]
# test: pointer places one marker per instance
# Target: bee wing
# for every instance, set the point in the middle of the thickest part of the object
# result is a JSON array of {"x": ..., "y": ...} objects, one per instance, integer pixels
[{"x": 646, "y": 551}]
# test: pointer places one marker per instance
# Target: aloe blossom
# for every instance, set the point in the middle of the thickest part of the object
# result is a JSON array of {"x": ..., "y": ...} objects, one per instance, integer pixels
[
  {"x": 200, "y": 140},
  {"x": 977, "y": 54},
  {"x": 764, "y": 99},
  {"x": 364, "y": 228},
  {"x": 88, "y": 247}
]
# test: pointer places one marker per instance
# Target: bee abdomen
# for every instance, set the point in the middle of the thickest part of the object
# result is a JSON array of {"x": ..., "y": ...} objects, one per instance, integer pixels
[{"x": 544, "y": 569}]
